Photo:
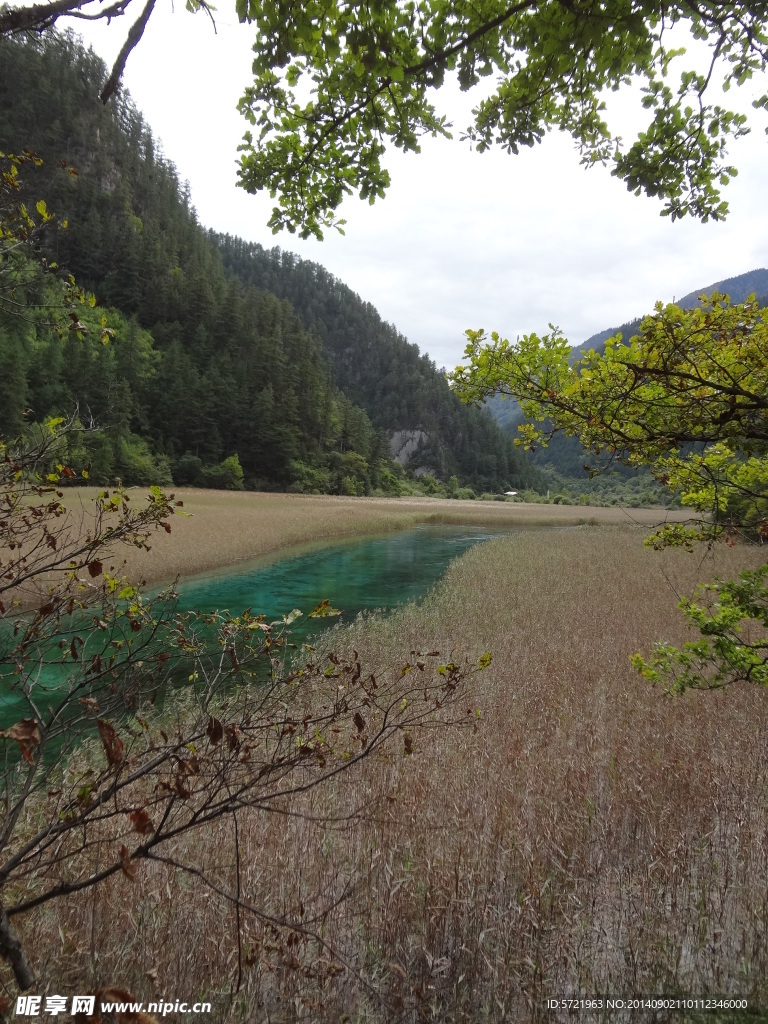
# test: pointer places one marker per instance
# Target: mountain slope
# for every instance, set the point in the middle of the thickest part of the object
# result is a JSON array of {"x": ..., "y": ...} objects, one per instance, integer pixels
[
  {"x": 245, "y": 353},
  {"x": 754, "y": 282},
  {"x": 739, "y": 288},
  {"x": 399, "y": 387}
]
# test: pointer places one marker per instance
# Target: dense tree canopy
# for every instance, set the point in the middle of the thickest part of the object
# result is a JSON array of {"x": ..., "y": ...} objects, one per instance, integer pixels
[
  {"x": 336, "y": 81},
  {"x": 218, "y": 347}
]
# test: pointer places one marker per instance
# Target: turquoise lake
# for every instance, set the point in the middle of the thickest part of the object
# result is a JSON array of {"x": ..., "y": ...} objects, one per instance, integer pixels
[
  {"x": 371, "y": 574},
  {"x": 360, "y": 575}
]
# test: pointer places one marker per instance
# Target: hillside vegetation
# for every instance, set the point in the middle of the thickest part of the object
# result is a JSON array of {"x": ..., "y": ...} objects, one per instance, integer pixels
[{"x": 226, "y": 365}]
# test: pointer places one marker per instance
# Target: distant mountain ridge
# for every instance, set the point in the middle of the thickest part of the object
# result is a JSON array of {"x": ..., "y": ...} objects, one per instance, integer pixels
[
  {"x": 564, "y": 454},
  {"x": 740, "y": 287}
]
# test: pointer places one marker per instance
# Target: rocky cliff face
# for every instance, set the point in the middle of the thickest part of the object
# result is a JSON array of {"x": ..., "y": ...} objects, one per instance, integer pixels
[{"x": 403, "y": 444}]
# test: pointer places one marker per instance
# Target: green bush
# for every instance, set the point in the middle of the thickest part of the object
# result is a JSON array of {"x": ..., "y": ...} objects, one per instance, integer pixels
[
  {"x": 137, "y": 466},
  {"x": 389, "y": 482},
  {"x": 306, "y": 479},
  {"x": 187, "y": 469},
  {"x": 227, "y": 476}
]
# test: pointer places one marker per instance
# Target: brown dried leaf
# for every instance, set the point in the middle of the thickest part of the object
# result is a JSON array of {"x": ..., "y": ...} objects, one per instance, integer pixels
[
  {"x": 142, "y": 822},
  {"x": 27, "y": 735},
  {"x": 234, "y": 736},
  {"x": 113, "y": 745},
  {"x": 215, "y": 730},
  {"x": 126, "y": 864},
  {"x": 189, "y": 766},
  {"x": 181, "y": 789}
]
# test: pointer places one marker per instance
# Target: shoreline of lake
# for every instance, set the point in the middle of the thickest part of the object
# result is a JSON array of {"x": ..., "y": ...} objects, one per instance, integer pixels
[
  {"x": 228, "y": 530},
  {"x": 223, "y": 531}
]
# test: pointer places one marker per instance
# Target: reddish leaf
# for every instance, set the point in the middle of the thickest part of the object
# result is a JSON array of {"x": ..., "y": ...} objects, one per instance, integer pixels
[
  {"x": 215, "y": 730},
  {"x": 142, "y": 822},
  {"x": 359, "y": 721},
  {"x": 233, "y": 736},
  {"x": 126, "y": 864},
  {"x": 94, "y": 568},
  {"x": 113, "y": 745}
]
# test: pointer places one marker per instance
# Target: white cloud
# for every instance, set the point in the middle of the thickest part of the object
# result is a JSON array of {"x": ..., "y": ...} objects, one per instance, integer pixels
[{"x": 462, "y": 239}]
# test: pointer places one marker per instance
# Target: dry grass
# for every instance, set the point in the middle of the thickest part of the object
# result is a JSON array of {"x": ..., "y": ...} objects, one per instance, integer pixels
[
  {"x": 229, "y": 527},
  {"x": 589, "y": 836}
]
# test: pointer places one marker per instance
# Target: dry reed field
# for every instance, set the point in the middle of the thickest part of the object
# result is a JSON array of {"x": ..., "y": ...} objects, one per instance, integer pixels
[
  {"x": 225, "y": 528},
  {"x": 581, "y": 834}
]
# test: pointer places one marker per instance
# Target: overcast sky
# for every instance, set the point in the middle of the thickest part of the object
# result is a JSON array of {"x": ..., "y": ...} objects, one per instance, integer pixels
[{"x": 509, "y": 243}]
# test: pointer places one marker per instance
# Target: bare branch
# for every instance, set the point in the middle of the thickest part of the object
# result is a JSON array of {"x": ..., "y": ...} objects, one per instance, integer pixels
[{"x": 132, "y": 40}]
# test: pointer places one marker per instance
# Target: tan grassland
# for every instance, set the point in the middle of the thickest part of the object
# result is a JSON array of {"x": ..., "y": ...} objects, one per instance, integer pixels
[
  {"x": 225, "y": 528},
  {"x": 586, "y": 835}
]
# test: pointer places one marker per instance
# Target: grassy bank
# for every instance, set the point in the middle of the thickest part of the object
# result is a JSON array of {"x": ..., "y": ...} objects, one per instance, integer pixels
[{"x": 585, "y": 835}]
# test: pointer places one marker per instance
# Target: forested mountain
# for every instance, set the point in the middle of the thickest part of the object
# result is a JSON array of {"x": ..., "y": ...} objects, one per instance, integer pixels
[
  {"x": 221, "y": 357},
  {"x": 399, "y": 388}
]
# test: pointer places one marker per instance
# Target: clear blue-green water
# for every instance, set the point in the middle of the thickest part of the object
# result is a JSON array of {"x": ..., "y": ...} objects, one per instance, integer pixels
[
  {"x": 363, "y": 575},
  {"x": 376, "y": 573}
]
